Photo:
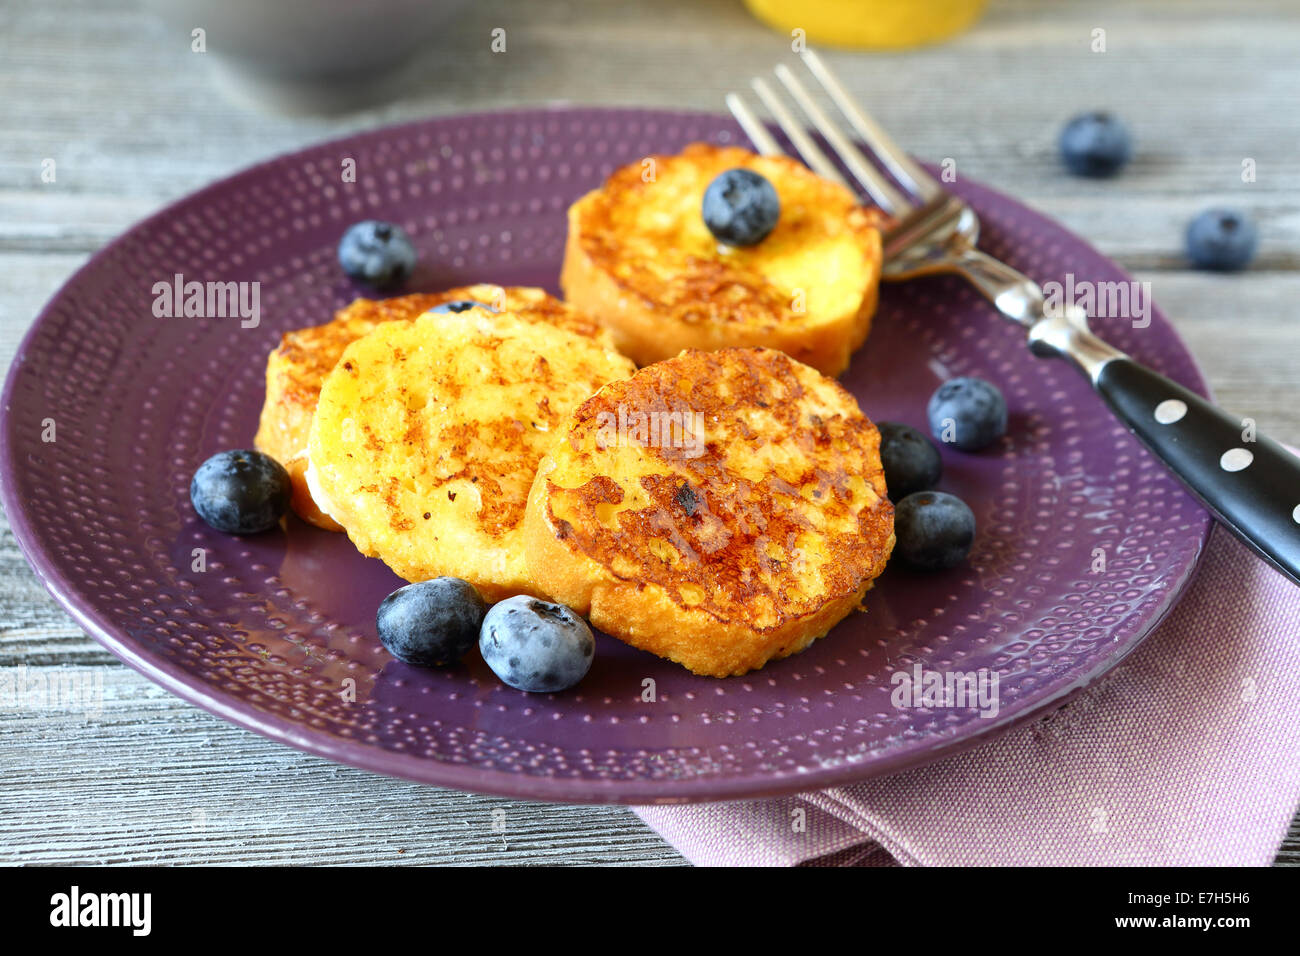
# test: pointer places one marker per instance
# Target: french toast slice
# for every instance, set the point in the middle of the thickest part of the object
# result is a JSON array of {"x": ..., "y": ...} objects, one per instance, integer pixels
[
  {"x": 720, "y": 509},
  {"x": 640, "y": 258},
  {"x": 427, "y": 435},
  {"x": 296, "y": 368}
]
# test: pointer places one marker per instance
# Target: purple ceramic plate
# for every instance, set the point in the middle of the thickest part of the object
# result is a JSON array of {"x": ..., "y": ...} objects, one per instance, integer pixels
[{"x": 277, "y": 634}]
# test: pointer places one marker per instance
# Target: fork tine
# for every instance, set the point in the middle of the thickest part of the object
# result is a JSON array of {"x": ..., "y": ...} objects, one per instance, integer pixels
[
  {"x": 889, "y": 198},
  {"x": 812, "y": 154},
  {"x": 908, "y": 173},
  {"x": 752, "y": 126}
]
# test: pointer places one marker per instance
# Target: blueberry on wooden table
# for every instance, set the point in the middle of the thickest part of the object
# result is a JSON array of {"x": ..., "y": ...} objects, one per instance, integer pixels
[
  {"x": 1222, "y": 239},
  {"x": 1095, "y": 145}
]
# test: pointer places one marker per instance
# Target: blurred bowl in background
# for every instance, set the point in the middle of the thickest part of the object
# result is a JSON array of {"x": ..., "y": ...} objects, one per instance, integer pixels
[
  {"x": 869, "y": 24},
  {"x": 309, "y": 55}
]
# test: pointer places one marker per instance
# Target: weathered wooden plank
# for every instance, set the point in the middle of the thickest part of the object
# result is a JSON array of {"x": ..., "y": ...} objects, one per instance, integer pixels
[
  {"x": 993, "y": 101},
  {"x": 142, "y": 777}
]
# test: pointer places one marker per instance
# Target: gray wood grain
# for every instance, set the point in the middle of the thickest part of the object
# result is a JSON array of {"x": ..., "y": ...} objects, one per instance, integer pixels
[{"x": 133, "y": 121}]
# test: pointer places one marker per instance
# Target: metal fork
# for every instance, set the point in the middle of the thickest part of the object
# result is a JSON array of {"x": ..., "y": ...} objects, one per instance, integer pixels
[{"x": 1252, "y": 485}]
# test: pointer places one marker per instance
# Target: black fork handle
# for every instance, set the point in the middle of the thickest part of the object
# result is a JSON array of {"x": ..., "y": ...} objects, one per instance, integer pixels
[
  {"x": 1250, "y": 483},
  {"x": 1251, "y": 486}
]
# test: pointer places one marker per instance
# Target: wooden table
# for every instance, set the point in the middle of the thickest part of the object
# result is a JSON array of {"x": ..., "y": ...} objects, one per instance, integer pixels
[{"x": 133, "y": 121}]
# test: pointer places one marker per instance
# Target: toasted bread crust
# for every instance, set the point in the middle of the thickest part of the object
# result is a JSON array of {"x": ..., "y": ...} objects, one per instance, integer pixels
[
  {"x": 640, "y": 259},
  {"x": 296, "y": 368},
  {"x": 427, "y": 435},
  {"x": 721, "y": 562}
]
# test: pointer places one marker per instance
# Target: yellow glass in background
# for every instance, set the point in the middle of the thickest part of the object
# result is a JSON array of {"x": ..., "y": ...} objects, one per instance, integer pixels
[{"x": 869, "y": 24}]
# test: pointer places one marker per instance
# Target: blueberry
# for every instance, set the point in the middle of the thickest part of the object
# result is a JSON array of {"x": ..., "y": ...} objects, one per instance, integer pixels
[
  {"x": 241, "y": 491},
  {"x": 461, "y": 305},
  {"x": 379, "y": 254},
  {"x": 1221, "y": 239},
  {"x": 967, "y": 412},
  {"x": 934, "y": 530},
  {"x": 1095, "y": 144},
  {"x": 536, "y": 646},
  {"x": 740, "y": 207},
  {"x": 911, "y": 461},
  {"x": 431, "y": 623}
]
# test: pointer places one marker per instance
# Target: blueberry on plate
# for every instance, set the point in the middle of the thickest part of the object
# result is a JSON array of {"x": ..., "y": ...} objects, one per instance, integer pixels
[
  {"x": 740, "y": 207},
  {"x": 536, "y": 646},
  {"x": 377, "y": 253},
  {"x": 1095, "y": 144},
  {"x": 967, "y": 412},
  {"x": 431, "y": 623},
  {"x": 461, "y": 305},
  {"x": 241, "y": 491},
  {"x": 934, "y": 530},
  {"x": 1221, "y": 239},
  {"x": 910, "y": 460}
]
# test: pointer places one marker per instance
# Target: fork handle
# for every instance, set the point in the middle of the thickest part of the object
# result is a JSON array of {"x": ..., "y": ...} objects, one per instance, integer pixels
[
  {"x": 1251, "y": 486},
  {"x": 1249, "y": 482}
]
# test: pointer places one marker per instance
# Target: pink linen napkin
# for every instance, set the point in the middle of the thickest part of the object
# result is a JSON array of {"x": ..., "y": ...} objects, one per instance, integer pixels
[{"x": 1187, "y": 753}]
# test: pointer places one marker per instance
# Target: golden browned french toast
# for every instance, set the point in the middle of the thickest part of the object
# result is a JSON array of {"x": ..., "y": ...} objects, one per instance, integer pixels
[
  {"x": 640, "y": 259},
  {"x": 427, "y": 434},
  {"x": 720, "y": 509},
  {"x": 296, "y": 368}
]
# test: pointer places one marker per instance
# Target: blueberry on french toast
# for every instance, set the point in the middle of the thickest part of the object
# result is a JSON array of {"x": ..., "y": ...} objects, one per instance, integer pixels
[
  {"x": 642, "y": 259},
  {"x": 296, "y": 368}
]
